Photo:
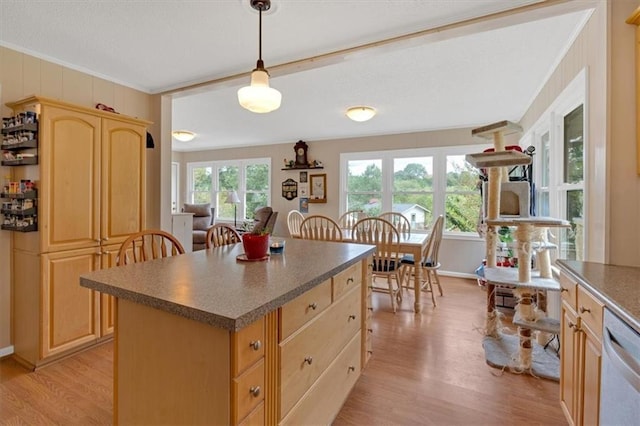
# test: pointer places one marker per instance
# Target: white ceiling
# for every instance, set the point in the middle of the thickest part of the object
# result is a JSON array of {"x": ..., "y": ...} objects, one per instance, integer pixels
[{"x": 476, "y": 72}]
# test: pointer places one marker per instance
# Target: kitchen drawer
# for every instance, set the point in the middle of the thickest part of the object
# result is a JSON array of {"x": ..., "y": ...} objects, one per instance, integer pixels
[
  {"x": 569, "y": 290},
  {"x": 248, "y": 391},
  {"x": 255, "y": 418},
  {"x": 248, "y": 346},
  {"x": 590, "y": 311},
  {"x": 321, "y": 403},
  {"x": 346, "y": 280},
  {"x": 307, "y": 353},
  {"x": 303, "y": 308}
]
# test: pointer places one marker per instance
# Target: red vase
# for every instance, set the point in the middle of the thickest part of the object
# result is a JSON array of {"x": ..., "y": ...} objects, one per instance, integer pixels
[{"x": 255, "y": 246}]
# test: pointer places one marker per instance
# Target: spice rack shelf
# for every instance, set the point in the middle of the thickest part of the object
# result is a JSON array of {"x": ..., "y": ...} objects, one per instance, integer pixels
[
  {"x": 16, "y": 228},
  {"x": 20, "y": 195},
  {"x": 20, "y": 140},
  {"x": 20, "y": 212},
  {"x": 21, "y": 161},
  {"x": 30, "y": 143}
]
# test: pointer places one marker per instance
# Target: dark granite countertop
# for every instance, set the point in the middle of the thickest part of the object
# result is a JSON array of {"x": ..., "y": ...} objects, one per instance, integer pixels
[
  {"x": 211, "y": 286},
  {"x": 618, "y": 287}
]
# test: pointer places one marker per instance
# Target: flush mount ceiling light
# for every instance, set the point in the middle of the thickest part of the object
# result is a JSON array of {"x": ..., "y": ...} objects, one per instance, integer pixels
[
  {"x": 183, "y": 135},
  {"x": 259, "y": 97},
  {"x": 361, "y": 113}
]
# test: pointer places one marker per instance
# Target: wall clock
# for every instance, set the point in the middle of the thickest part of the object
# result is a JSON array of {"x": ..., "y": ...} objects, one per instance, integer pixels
[{"x": 301, "y": 154}]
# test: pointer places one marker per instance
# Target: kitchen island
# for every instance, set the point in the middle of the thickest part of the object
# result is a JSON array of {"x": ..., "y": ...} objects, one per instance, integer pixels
[{"x": 203, "y": 338}]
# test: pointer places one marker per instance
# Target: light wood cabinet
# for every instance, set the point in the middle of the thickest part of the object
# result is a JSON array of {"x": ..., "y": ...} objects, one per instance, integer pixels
[
  {"x": 581, "y": 353},
  {"x": 254, "y": 376},
  {"x": 91, "y": 184}
]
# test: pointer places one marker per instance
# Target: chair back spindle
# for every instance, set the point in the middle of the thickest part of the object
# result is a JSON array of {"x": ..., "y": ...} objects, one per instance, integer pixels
[{"x": 147, "y": 245}]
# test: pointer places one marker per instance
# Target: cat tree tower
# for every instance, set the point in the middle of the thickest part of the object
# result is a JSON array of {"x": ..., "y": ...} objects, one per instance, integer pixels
[{"x": 521, "y": 353}]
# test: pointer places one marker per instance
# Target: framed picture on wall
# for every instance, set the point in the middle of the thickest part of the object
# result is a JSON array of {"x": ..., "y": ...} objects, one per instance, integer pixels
[
  {"x": 318, "y": 188},
  {"x": 304, "y": 205}
]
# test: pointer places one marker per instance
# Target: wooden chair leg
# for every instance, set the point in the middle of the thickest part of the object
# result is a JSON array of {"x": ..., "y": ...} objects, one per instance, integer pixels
[
  {"x": 393, "y": 297},
  {"x": 399, "y": 291},
  {"x": 437, "y": 280},
  {"x": 428, "y": 285}
]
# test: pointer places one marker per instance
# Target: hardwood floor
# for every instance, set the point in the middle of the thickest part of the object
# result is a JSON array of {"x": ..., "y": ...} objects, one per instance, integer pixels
[{"x": 426, "y": 369}]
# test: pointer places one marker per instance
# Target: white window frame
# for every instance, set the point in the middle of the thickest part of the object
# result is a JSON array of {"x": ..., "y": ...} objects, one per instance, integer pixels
[
  {"x": 574, "y": 95},
  {"x": 439, "y": 155},
  {"x": 242, "y": 183}
]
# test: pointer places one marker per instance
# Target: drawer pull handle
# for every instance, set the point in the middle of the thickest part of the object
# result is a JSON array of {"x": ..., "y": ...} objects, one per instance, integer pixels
[
  {"x": 308, "y": 360},
  {"x": 349, "y": 281},
  {"x": 352, "y": 368},
  {"x": 370, "y": 330},
  {"x": 562, "y": 289},
  {"x": 255, "y": 391},
  {"x": 370, "y": 308},
  {"x": 573, "y": 326},
  {"x": 583, "y": 310},
  {"x": 313, "y": 306},
  {"x": 256, "y": 345},
  {"x": 370, "y": 352},
  {"x": 352, "y": 317}
]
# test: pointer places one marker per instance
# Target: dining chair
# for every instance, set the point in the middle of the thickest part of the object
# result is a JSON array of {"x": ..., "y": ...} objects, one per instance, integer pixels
[
  {"x": 318, "y": 227},
  {"x": 429, "y": 262},
  {"x": 147, "y": 245},
  {"x": 221, "y": 235},
  {"x": 348, "y": 219},
  {"x": 294, "y": 219},
  {"x": 398, "y": 220},
  {"x": 385, "y": 236}
]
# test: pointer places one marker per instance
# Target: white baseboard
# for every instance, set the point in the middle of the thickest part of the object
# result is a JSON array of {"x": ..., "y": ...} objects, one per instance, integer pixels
[
  {"x": 6, "y": 351},
  {"x": 457, "y": 274}
]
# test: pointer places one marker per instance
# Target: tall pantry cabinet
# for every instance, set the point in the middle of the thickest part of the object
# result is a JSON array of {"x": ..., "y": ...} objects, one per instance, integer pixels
[{"x": 91, "y": 186}]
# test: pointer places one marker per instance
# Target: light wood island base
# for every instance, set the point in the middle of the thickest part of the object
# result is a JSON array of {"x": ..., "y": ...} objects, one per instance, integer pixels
[{"x": 295, "y": 363}]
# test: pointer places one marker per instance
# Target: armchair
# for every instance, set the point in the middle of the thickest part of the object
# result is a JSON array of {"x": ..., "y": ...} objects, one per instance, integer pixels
[{"x": 203, "y": 219}]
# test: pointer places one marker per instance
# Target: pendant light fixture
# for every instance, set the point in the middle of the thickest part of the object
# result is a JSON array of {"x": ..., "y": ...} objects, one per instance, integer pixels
[{"x": 259, "y": 97}]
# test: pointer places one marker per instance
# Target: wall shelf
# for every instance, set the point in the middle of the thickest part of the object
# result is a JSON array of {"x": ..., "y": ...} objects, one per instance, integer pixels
[
  {"x": 31, "y": 143},
  {"x": 302, "y": 168}
]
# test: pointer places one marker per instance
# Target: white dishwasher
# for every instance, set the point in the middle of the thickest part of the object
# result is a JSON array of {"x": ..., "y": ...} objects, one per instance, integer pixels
[{"x": 620, "y": 386}]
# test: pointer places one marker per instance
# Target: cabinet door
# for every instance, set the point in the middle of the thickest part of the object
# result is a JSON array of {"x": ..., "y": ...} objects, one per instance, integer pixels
[
  {"x": 70, "y": 312},
  {"x": 69, "y": 215},
  {"x": 107, "y": 302},
  {"x": 568, "y": 362},
  {"x": 591, "y": 357},
  {"x": 123, "y": 180}
]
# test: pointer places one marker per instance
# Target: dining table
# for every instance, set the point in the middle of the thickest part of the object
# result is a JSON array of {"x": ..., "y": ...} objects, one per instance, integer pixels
[{"x": 413, "y": 243}]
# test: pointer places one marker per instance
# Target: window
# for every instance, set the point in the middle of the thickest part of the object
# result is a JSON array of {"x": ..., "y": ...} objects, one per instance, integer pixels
[
  {"x": 559, "y": 138},
  {"x": 212, "y": 181},
  {"x": 419, "y": 183},
  {"x": 364, "y": 186},
  {"x": 462, "y": 199}
]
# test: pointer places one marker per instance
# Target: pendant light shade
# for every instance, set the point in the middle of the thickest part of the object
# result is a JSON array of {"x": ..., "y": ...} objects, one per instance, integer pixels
[{"x": 259, "y": 97}]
